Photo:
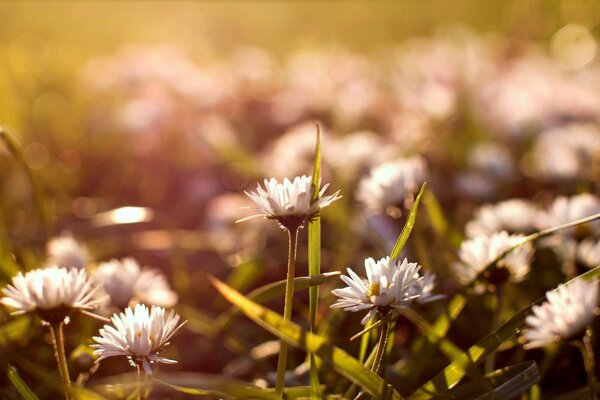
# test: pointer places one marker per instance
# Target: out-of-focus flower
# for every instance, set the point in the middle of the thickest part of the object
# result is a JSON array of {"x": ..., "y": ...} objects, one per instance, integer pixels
[
  {"x": 390, "y": 285},
  {"x": 588, "y": 253},
  {"x": 475, "y": 184},
  {"x": 138, "y": 334},
  {"x": 53, "y": 293},
  {"x": 66, "y": 251},
  {"x": 514, "y": 216},
  {"x": 475, "y": 254},
  {"x": 492, "y": 159},
  {"x": 567, "y": 311},
  {"x": 390, "y": 183},
  {"x": 290, "y": 199},
  {"x": 568, "y": 209},
  {"x": 566, "y": 152},
  {"x": 125, "y": 282},
  {"x": 423, "y": 289}
]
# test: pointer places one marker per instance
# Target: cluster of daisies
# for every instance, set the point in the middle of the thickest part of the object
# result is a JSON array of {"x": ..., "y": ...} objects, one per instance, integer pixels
[{"x": 70, "y": 283}]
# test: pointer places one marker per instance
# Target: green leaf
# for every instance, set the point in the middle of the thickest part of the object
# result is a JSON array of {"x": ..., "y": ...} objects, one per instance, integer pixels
[
  {"x": 216, "y": 385},
  {"x": 341, "y": 361},
  {"x": 502, "y": 384},
  {"x": 408, "y": 226},
  {"x": 272, "y": 291},
  {"x": 16, "y": 380},
  {"x": 314, "y": 264},
  {"x": 453, "y": 373}
]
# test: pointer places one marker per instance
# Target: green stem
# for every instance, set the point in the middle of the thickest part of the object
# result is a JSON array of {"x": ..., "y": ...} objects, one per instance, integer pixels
[
  {"x": 287, "y": 310},
  {"x": 491, "y": 360},
  {"x": 58, "y": 341},
  {"x": 381, "y": 345},
  {"x": 142, "y": 379},
  {"x": 589, "y": 361}
]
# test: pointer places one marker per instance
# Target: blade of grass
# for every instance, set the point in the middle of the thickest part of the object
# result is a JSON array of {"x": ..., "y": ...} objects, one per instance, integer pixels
[
  {"x": 453, "y": 373},
  {"x": 341, "y": 361},
  {"x": 314, "y": 264},
  {"x": 408, "y": 226},
  {"x": 14, "y": 329},
  {"x": 16, "y": 380},
  {"x": 17, "y": 152}
]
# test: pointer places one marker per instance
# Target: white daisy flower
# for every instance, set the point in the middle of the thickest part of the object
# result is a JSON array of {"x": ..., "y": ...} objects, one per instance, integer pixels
[
  {"x": 569, "y": 209},
  {"x": 138, "y": 334},
  {"x": 475, "y": 254},
  {"x": 290, "y": 199},
  {"x": 390, "y": 284},
  {"x": 514, "y": 215},
  {"x": 568, "y": 310},
  {"x": 53, "y": 293},
  {"x": 588, "y": 253},
  {"x": 124, "y": 281},
  {"x": 391, "y": 183},
  {"x": 423, "y": 289},
  {"x": 66, "y": 251}
]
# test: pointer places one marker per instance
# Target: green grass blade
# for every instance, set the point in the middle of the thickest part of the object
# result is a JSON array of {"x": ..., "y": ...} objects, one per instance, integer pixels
[
  {"x": 453, "y": 373},
  {"x": 14, "y": 329},
  {"x": 213, "y": 385},
  {"x": 408, "y": 226},
  {"x": 272, "y": 291},
  {"x": 503, "y": 384},
  {"x": 16, "y": 380},
  {"x": 341, "y": 361},
  {"x": 17, "y": 152}
]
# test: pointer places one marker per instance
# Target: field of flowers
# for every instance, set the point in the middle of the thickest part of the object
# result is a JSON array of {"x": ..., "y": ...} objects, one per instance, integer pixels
[{"x": 395, "y": 201}]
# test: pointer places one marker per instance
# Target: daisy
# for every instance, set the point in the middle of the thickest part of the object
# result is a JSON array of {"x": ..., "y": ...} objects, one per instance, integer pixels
[
  {"x": 514, "y": 215},
  {"x": 124, "y": 281},
  {"x": 290, "y": 201},
  {"x": 569, "y": 209},
  {"x": 568, "y": 310},
  {"x": 66, "y": 251},
  {"x": 53, "y": 293},
  {"x": 390, "y": 284},
  {"x": 391, "y": 183},
  {"x": 477, "y": 253},
  {"x": 138, "y": 334}
]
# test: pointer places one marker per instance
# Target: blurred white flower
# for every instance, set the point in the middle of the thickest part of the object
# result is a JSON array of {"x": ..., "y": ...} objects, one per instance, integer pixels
[
  {"x": 138, "y": 334},
  {"x": 476, "y": 253},
  {"x": 66, "y": 251},
  {"x": 514, "y": 215},
  {"x": 423, "y": 289},
  {"x": 588, "y": 253},
  {"x": 125, "y": 282},
  {"x": 53, "y": 293},
  {"x": 290, "y": 199},
  {"x": 390, "y": 284},
  {"x": 566, "y": 152},
  {"x": 492, "y": 159},
  {"x": 391, "y": 183},
  {"x": 569, "y": 209},
  {"x": 292, "y": 152},
  {"x": 567, "y": 311}
]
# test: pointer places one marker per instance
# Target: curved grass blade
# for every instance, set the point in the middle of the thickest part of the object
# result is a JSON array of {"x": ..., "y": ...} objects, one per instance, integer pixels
[
  {"x": 16, "y": 380},
  {"x": 17, "y": 152},
  {"x": 453, "y": 373},
  {"x": 502, "y": 384},
  {"x": 314, "y": 264},
  {"x": 272, "y": 291},
  {"x": 341, "y": 361},
  {"x": 408, "y": 226},
  {"x": 213, "y": 385}
]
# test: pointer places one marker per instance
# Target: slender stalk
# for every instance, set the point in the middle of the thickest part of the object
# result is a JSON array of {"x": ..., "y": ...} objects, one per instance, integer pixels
[
  {"x": 491, "y": 360},
  {"x": 58, "y": 342},
  {"x": 381, "y": 344},
  {"x": 287, "y": 310},
  {"x": 589, "y": 360},
  {"x": 142, "y": 379}
]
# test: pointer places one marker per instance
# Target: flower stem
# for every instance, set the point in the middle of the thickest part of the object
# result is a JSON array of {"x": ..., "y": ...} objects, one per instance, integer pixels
[
  {"x": 287, "y": 309},
  {"x": 142, "y": 379},
  {"x": 589, "y": 360},
  {"x": 490, "y": 362},
  {"x": 381, "y": 344},
  {"x": 58, "y": 341}
]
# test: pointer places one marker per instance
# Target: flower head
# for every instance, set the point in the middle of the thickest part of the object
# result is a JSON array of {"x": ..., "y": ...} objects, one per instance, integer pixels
[
  {"x": 390, "y": 284},
  {"x": 514, "y": 215},
  {"x": 569, "y": 209},
  {"x": 66, "y": 251},
  {"x": 124, "y": 281},
  {"x": 53, "y": 293},
  {"x": 567, "y": 311},
  {"x": 290, "y": 199},
  {"x": 477, "y": 253},
  {"x": 138, "y": 334}
]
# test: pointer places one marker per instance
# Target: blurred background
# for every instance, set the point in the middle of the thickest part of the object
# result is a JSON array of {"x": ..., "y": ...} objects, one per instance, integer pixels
[{"x": 167, "y": 112}]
